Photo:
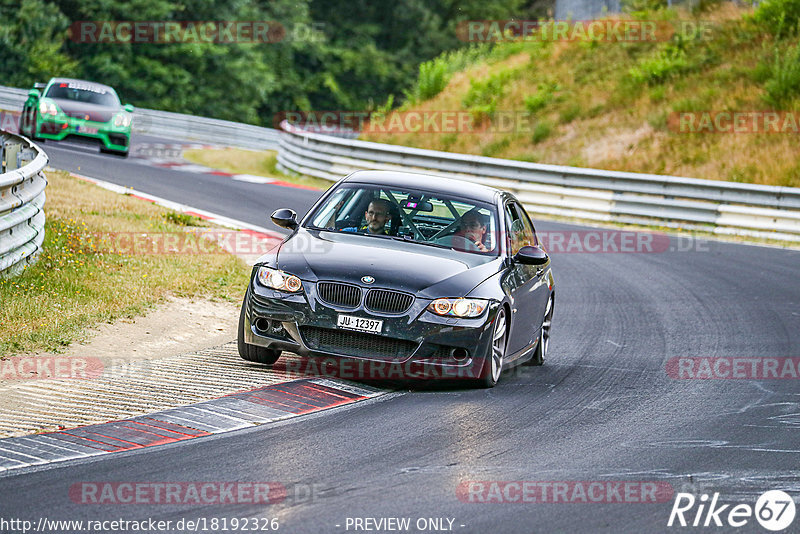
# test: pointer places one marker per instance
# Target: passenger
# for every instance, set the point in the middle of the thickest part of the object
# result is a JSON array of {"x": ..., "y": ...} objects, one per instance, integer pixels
[{"x": 471, "y": 228}]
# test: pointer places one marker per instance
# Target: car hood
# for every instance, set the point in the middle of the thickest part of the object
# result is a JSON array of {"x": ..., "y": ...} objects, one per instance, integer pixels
[
  {"x": 80, "y": 110},
  {"x": 426, "y": 271}
]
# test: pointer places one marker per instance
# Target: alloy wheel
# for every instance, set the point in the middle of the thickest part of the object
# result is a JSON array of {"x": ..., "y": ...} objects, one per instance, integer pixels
[{"x": 498, "y": 345}]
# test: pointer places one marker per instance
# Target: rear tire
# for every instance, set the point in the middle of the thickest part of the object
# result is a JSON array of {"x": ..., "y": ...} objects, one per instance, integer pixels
[{"x": 253, "y": 353}]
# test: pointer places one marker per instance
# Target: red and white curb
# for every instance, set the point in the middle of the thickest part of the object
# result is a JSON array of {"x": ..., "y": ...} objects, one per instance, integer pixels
[
  {"x": 214, "y": 218},
  {"x": 245, "y": 409}
]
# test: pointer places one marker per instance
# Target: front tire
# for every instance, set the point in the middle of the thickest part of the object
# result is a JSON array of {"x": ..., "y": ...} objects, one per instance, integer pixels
[
  {"x": 544, "y": 336},
  {"x": 253, "y": 353},
  {"x": 120, "y": 153},
  {"x": 32, "y": 126},
  {"x": 493, "y": 364}
]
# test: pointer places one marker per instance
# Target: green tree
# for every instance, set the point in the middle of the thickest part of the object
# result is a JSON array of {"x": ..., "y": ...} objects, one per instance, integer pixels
[{"x": 32, "y": 34}]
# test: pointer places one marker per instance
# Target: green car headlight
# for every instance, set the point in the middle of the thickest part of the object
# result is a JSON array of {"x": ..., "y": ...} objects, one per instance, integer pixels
[
  {"x": 276, "y": 279},
  {"x": 48, "y": 108},
  {"x": 459, "y": 307},
  {"x": 122, "y": 120}
]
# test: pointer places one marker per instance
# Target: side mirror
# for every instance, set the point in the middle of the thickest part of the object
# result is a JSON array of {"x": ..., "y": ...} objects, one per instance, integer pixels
[
  {"x": 128, "y": 108},
  {"x": 33, "y": 93},
  {"x": 531, "y": 255},
  {"x": 39, "y": 85},
  {"x": 285, "y": 218}
]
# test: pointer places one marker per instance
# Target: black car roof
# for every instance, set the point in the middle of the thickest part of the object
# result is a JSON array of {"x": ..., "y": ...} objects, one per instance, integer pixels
[
  {"x": 426, "y": 182},
  {"x": 84, "y": 82}
]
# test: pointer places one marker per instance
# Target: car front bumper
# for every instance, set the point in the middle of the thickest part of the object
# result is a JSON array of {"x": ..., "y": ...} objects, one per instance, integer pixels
[
  {"x": 415, "y": 344},
  {"x": 59, "y": 127}
]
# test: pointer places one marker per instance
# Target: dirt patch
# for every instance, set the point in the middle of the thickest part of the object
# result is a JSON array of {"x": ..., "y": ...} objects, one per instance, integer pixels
[
  {"x": 174, "y": 327},
  {"x": 615, "y": 145}
]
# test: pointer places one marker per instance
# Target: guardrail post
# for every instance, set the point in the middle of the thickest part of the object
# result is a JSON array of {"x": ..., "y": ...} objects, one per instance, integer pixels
[{"x": 12, "y": 156}]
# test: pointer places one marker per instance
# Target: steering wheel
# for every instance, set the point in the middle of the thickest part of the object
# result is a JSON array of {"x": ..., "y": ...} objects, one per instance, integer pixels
[
  {"x": 462, "y": 243},
  {"x": 347, "y": 223},
  {"x": 458, "y": 242}
]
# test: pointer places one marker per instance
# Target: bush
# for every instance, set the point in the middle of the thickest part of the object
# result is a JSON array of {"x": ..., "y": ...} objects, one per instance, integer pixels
[
  {"x": 570, "y": 113},
  {"x": 183, "y": 219},
  {"x": 783, "y": 85},
  {"x": 545, "y": 93},
  {"x": 659, "y": 68},
  {"x": 541, "y": 131},
  {"x": 433, "y": 78},
  {"x": 482, "y": 97},
  {"x": 779, "y": 17},
  {"x": 643, "y": 6},
  {"x": 496, "y": 147},
  {"x": 434, "y": 75}
]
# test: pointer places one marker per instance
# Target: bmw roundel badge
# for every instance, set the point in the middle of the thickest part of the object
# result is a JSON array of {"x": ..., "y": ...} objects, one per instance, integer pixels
[{"x": 367, "y": 279}]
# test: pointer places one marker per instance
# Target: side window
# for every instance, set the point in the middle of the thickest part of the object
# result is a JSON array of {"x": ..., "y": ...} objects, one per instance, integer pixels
[
  {"x": 530, "y": 231},
  {"x": 334, "y": 210},
  {"x": 519, "y": 228}
]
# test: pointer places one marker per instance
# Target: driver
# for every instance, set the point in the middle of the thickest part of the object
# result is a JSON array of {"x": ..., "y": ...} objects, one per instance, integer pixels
[{"x": 377, "y": 215}]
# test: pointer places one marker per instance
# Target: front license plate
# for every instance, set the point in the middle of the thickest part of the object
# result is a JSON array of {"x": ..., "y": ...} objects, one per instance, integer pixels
[
  {"x": 373, "y": 326},
  {"x": 86, "y": 129}
]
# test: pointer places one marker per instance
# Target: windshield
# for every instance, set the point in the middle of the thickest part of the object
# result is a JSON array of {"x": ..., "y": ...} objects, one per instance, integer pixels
[
  {"x": 82, "y": 92},
  {"x": 415, "y": 216}
]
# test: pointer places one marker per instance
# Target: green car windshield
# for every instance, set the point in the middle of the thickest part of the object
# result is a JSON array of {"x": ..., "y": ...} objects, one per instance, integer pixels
[
  {"x": 87, "y": 94},
  {"x": 414, "y": 216}
]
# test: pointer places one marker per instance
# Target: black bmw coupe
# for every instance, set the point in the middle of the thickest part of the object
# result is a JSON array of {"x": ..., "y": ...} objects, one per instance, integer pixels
[{"x": 403, "y": 276}]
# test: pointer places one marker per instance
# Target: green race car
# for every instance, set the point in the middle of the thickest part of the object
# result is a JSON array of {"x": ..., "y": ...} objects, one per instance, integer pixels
[{"x": 68, "y": 107}]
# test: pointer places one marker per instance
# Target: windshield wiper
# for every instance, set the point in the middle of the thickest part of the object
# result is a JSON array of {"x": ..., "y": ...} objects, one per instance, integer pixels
[{"x": 311, "y": 227}]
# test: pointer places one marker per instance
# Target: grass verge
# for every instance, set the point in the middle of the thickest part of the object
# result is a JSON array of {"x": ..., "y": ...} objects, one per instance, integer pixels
[
  {"x": 78, "y": 282},
  {"x": 241, "y": 161}
]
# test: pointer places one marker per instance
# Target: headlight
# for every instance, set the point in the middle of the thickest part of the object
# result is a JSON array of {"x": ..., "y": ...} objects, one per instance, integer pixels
[
  {"x": 275, "y": 279},
  {"x": 458, "y": 307},
  {"x": 47, "y": 108},
  {"x": 122, "y": 119}
]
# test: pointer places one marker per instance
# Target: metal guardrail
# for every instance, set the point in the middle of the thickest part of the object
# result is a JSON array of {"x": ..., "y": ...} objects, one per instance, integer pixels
[
  {"x": 177, "y": 126},
  {"x": 204, "y": 129},
  {"x": 588, "y": 194},
  {"x": 22, "y": 198}
]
